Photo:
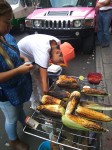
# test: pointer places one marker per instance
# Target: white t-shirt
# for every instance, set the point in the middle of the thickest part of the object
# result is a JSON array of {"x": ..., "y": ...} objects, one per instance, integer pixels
[
  {"x": 37, "y": 48},
  {"x": 105, "y": 7}
]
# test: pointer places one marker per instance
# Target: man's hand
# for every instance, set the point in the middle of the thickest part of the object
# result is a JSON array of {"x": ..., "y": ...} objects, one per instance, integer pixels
[{"x": 99, "y": 5}]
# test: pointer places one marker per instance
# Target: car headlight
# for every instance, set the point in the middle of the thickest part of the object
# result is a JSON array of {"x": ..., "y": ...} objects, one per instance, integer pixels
[
  {"x": 37, "y": 23},
  {"x": 77, "y": 23},
  {"x": 28, "y": 23},
  {"x": 88, "y": 23}
]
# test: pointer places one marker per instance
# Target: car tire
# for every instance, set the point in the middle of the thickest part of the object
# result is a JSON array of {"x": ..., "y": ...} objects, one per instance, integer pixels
[{"x": 88, "y": 44}]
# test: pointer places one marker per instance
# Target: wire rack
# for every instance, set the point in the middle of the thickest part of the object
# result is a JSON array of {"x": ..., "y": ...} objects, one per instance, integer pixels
[{"x": 53, "y": 130}]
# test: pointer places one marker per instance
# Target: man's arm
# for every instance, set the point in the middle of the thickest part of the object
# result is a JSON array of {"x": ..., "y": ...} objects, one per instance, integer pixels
[
  {"x": 44, "y": 80},
  {"x": 101, "y": 4}
]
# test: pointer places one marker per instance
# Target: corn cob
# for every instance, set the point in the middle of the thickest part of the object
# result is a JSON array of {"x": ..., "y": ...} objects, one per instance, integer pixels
[
  {"x": 52, "y": 110},
  {"x": 46, "y": 99},
  {"x": 67, "y": 84},
  {"x": 78, "y": 123},
  {"x": 75, "y": 94},
  {"x": 92, "y": 114},
  {"x": 95, "y": 106},
  {"x": 67, "y": 79},
  {"x": 59, "y": 94},
  {"x": 72, "y": 104},
  {"x": 94, "y": 92}
]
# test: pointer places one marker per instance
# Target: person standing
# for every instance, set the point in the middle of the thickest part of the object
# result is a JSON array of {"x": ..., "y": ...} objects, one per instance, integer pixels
[
  {"x": 104, "y": 20},
  {"x": 41, "y": 49},
  {"x": 15, "y": 79},
  {"x": 111, "y": 27},
  {"x": 111, "y": 19}
]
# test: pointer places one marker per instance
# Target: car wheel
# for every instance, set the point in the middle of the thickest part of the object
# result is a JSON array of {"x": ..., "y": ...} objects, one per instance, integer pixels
[{"x": 88, "y": 44}]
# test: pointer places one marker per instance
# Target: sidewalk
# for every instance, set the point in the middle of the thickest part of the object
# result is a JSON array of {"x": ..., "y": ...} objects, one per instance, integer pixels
[{"x": 104, "y": 65}]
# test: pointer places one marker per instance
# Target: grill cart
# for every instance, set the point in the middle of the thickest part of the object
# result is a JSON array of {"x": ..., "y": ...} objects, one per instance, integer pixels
[{"x": 51, "y": 128}]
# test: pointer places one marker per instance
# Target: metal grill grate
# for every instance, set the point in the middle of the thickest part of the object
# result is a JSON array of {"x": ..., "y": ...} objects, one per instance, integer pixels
[{"x": 67, "y": 139}]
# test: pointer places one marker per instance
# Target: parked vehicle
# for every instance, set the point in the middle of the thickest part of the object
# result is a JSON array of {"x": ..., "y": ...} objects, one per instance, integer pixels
[
  {"x": 21, "y": 9},
  {"x": 69, "y": 20}
]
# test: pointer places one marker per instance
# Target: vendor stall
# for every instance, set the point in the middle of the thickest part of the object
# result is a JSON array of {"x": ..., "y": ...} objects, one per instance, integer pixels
[{"x": 51, "y": 128}]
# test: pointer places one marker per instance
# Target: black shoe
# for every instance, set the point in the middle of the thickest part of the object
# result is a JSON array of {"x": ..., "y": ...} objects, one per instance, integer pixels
[
  {"x": 18, "y": 145},
  {"x": 104, "y": 46}
]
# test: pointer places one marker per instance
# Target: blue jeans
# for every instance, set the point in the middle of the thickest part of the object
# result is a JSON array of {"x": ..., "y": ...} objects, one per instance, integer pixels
[
  {"x": 104, "y": 20},
  {"x": 12, "y": 115}
]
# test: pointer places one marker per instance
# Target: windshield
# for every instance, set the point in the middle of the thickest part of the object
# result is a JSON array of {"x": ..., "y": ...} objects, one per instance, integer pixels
[
  {"x": 12, "y": 2},
  {"x": 66, "y": 3}
]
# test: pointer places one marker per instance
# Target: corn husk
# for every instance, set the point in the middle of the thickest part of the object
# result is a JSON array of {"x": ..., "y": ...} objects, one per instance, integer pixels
[
  {"x": 78, "y": 123},
  {"x": 95, "y": 106}
]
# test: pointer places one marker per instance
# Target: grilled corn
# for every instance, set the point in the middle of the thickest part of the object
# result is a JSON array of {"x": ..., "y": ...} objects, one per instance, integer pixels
[
  {"x": 68, "y": 82},
  {"x": 67, "y": 79},
  {"x": 95, "y": 106},
  {"x": 73, "y": 102},
  {"x": 94, "y": 92},
  {"x": 78, "y": 123},
  {"x": 52, "y": 110},
  {"x": 46, "y": 99},
  {"x": 92, "y": 114},
  {"x": 59, "y": 94}
]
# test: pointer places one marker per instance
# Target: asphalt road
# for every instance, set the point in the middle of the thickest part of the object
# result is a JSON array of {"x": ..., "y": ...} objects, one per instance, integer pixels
[{"x": 81, "y": 65}]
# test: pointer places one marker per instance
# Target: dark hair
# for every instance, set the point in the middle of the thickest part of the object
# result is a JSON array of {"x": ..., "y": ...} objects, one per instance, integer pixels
[{"x": 5, "y": 8}]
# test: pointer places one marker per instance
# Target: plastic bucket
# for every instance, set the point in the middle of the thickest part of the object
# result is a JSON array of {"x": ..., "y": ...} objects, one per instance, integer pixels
[{"x": 45, "y": 146}]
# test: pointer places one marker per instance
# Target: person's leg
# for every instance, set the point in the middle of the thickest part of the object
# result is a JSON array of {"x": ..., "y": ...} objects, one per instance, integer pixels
[
  {"x": 100, "y": 29},
  {"x": 21, "y": 115},
  {"x": 11, "y": 118},
  {"x": 111, "y": 22},
  {"x": 106, "y": 26}
]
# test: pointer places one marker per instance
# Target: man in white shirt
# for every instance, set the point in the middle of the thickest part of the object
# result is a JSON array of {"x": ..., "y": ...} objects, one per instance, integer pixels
[{"x": 41, "y": 48}]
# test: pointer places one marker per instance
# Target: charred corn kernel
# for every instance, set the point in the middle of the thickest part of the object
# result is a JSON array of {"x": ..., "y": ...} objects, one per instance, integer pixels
[
  {"x": 92, "y": 114},
  {"x": 46, "y": 99},
  {"x": 52, "y": 110},
  {"x": 78, "y": 123},
  {"x": 75, "y": 94},
  {"x": 67, "y": 78},
  {"x": 72, "y": 104},
  {"x": 95, "y": 92},
  {"x": 60, "y": 94},
  {"x": 71, "y": 85}
]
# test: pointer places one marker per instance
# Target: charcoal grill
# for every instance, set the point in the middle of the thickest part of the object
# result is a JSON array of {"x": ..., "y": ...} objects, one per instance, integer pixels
[{"x": 65, "y": 138}]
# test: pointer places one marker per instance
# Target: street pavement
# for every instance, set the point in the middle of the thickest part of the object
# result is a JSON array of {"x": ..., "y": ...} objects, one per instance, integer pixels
[
  {"x": 104, "y": 65},
  {"x": 100, "y": 61}
]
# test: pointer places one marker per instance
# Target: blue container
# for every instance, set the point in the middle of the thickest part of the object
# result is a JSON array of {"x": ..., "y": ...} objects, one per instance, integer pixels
[{"x": 45, "y": 146}]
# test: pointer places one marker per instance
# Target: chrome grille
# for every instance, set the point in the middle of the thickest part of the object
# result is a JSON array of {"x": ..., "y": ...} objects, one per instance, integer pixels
[{"x": 53, "y": 24}]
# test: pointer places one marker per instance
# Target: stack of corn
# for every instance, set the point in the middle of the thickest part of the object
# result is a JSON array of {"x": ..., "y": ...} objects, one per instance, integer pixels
[{"x": 79, "y": 120}]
